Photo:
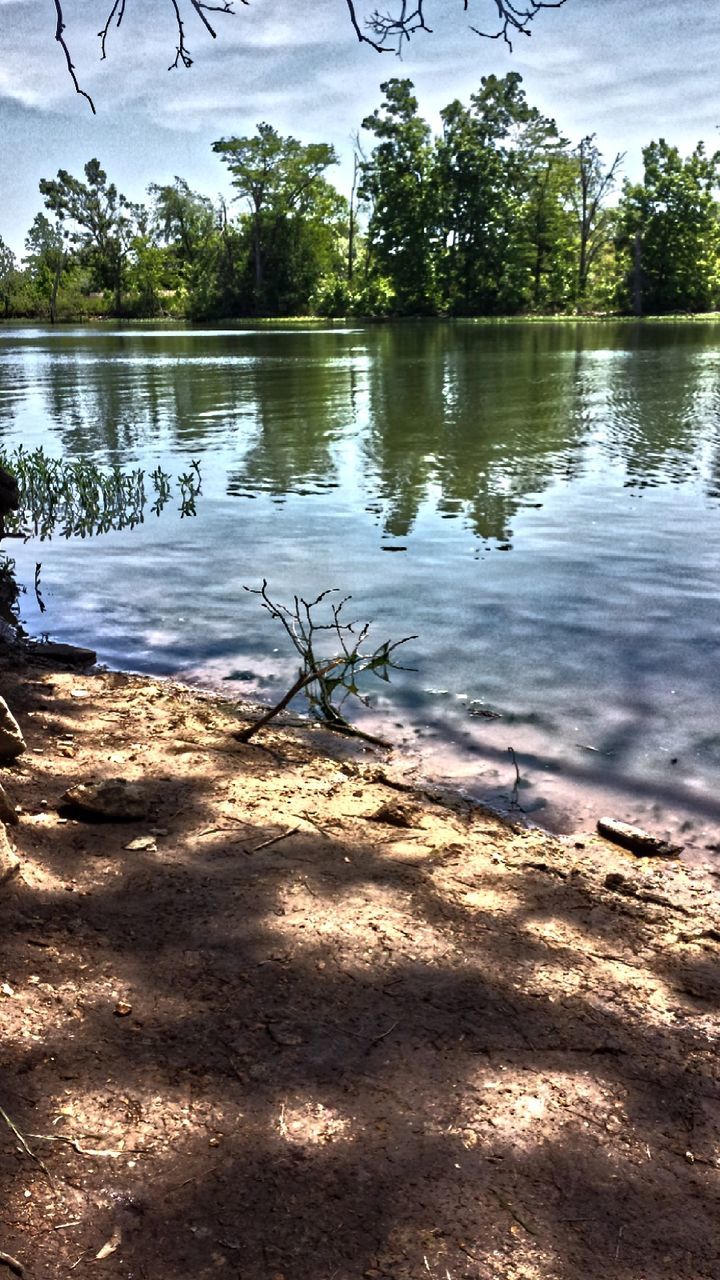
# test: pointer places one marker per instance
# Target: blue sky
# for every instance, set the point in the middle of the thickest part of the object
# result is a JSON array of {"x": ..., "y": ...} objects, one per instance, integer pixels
[{"x": 628, "y": 70}]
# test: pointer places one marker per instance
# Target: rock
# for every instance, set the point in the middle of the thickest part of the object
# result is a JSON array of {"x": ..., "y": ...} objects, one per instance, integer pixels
[
  {"x": 114, "y": 798},
  {"x": 619, "y": 883},
  {"x": 142, "y": 844},
  {"x": 9, "y": 861},
  {"x": 9, "y": 496},
  {"x": 8, "y": 633},
  {"x": 73, "y": 654},
  {"x": 8, "y": 812},
  {"x": 395, "y": 814},
  {"x": 12, "y": 743}
]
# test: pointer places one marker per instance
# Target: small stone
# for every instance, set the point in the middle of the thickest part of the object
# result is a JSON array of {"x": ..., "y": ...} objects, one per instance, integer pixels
[
  {"x": 9, "y": 861},
  {"x": 8, "y": 812},
  {"x": 395, "y": 814},
  {"x": 114, "y": 798},
  {"x": 12, "y": 743},
  {"x": 122, "y": 1009},
  {"x": 142, "y": 844}
]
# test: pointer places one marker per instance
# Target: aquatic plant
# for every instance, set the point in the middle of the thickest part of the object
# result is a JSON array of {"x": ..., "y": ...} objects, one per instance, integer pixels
[
  {"x": 329, "y": 673},
  {"x": 78, "y": 498}
]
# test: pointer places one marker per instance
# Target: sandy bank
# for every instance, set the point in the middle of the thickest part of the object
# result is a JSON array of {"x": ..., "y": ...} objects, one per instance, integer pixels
[{"x": 316, "y": 1024}]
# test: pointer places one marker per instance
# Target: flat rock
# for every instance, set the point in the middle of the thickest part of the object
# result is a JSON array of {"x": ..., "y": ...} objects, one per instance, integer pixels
[
  {"x": 73, "y": 654},
  {"x": 8, "y": 812},
  {"x": 9, "y": 861},
  {"x": 113, "y": 798},
  {"x": 12, "y": 743}
]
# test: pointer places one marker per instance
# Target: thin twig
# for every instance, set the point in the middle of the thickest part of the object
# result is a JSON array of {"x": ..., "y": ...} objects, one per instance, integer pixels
[
  {"x": 274, "y": 840},
  {"x": 73, "y": 1142},
  {"x": 513, "y": 1212},
  {"x": 23, "y": 1143},
  {"x": 203, "y": 1173},
  {"x": 384, "y": 1034},
  {"x": 7, "y": 1260},
  {"x": 619, "y": 1242},
  {"x": 350, "y": 731},
  {"x": 514, "y": 799}
]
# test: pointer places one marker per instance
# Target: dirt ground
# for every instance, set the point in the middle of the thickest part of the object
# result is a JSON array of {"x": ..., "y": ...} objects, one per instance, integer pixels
[{"x": 321, "y": 1027}]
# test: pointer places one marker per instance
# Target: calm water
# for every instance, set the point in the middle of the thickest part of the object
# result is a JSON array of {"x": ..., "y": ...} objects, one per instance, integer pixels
[{"x": 539, "y": 503}]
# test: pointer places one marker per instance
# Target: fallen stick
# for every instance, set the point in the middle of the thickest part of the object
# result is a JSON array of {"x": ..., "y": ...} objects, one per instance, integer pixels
[
  {"x": 273, "y": 840},
  {"x": 7, "y": 1260},
  {"x": 23, "y": 1143},
  {"x": 73, "y": 1142},
  {"x": 636, "y": 840}
]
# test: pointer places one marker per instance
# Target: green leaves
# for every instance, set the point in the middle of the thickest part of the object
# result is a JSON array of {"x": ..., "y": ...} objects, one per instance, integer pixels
[
  {"x": 78, "y": 498},
  {"x": 669, "y": 230},
  {"x": 331, "y": 654}
]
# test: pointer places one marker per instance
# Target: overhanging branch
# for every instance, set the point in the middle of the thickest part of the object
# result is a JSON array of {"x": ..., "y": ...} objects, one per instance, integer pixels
[
  {"x": 382, "y": 30},
  {"x": 389, "y": 30},
  {"x": 60, "y": 37},
  {"x": 514, "y": 19}
]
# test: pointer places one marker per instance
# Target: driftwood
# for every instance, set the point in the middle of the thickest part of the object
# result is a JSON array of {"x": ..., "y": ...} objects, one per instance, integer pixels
[{"x": 636, "y": 840}]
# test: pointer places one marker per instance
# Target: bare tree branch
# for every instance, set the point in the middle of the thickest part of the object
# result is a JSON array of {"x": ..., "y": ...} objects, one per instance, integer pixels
[
  {"x": 60, "y": 37},
  {"x": 119, "y": 9},
  {"x": 391, "y": 30},
  {"x": 383, "y": 31},
  {"x": 514, "y": 19}
]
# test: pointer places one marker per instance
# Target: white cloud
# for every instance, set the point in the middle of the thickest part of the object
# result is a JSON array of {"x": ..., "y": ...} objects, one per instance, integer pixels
[{"x": 629, "y": 72}]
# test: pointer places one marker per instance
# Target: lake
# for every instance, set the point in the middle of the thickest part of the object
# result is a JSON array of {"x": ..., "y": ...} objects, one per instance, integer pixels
[{"x": 539, "y": 503}]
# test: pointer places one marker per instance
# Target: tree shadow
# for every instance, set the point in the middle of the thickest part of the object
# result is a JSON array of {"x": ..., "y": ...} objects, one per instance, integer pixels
[{"x": 345, "y": 1054}]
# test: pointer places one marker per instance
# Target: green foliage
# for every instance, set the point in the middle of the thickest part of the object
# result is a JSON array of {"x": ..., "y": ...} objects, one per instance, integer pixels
[
  {"x": 293, "y": 213},
  {"x": 498, "y": 215},
  {"x": 46, "y": 259},
  {"x": 398, "y": 183},
  {"x": 78, "y": 498},
  {"x": 99, "y": 222},
  {"x": 8, "y": 276},
  {"x": 669, "y": 229}
]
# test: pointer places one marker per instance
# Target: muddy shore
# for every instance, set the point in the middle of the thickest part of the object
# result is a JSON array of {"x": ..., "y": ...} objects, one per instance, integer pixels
[{"x": 301, "y": 1021}]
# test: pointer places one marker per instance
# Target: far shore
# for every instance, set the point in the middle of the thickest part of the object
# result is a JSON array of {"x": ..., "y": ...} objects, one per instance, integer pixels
[{"x": 289, "y": 322}]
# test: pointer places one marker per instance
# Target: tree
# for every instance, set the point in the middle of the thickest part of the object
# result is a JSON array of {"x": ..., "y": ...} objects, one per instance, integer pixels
[
  {"x": 97, "y": 219},
  {"x": 8, "y": 275},
  {"x": 281, "y": 182},
  {"x": 541, "y": 174},
  {"x": 670, "y": 230},
  {"x": 478, "y": 201},
  {"x": 398, "y": 183},
  {"x": 593, "y": 185},
  {"x": 183, "y": 219},
  {"x": 502, "y": 175},
  {"x": 46, "y": 257}
]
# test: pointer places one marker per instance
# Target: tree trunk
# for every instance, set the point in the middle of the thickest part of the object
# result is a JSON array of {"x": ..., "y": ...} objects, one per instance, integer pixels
[
  {"x": 637, "y": 276},
  {"x": 55, "y": 287}
]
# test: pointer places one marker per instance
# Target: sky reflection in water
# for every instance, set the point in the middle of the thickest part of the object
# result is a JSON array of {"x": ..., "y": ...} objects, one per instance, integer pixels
[{"x": 550, "y": 490}]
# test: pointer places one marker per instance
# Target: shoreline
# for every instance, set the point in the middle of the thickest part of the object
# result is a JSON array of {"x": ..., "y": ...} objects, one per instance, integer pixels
[
  {"x": 399, "y": 749},
  {"x": 264, "y": 322}
]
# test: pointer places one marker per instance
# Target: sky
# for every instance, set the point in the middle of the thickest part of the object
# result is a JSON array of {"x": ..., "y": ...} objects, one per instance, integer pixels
[{"x": 627, "y": 70}]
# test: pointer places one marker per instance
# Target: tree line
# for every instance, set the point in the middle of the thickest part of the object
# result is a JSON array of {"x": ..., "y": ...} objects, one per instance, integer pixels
[{"x": 497, "y": 214}]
